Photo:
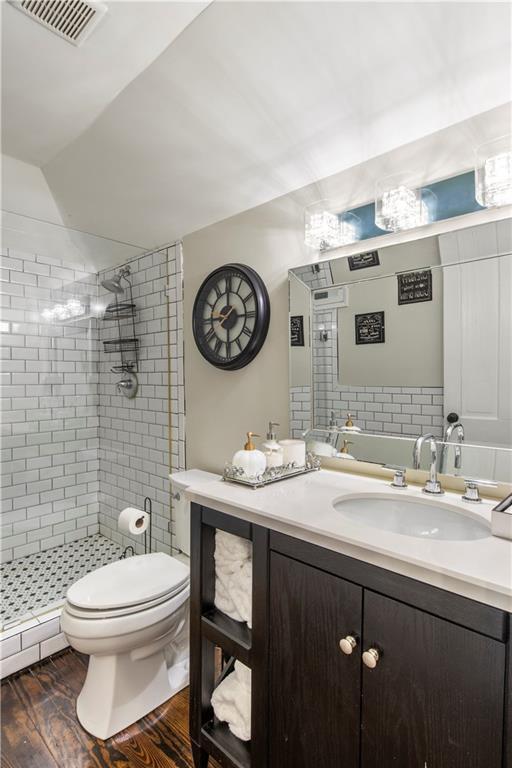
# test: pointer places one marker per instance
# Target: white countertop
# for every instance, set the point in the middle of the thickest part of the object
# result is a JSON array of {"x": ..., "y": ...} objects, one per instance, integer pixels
[{"x": 302, "y": 507}]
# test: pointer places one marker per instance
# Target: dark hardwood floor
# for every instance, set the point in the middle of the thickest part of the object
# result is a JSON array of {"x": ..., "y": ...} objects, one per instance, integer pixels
[{"x": 40, "y": 728}]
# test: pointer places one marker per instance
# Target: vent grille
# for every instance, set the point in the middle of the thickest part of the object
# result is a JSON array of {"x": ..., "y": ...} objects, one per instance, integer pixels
[{"x": 74, "y": 20}]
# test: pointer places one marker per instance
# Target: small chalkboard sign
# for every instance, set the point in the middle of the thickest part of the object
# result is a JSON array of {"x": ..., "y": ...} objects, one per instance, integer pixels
[
  {"x": 370, "y": 328},
  {"x": 296, "y": 331},
  {"x": 363, "y": 260},
  {"x": 414, "y": 287}
]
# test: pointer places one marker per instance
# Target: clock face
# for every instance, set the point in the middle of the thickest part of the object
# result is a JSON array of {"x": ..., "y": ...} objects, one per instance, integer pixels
[{"x": 231, "y": 316}]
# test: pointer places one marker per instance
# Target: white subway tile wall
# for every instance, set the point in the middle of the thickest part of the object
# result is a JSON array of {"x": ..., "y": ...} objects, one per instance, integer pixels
[
  {"x": 407, "y": 411},
  {"x": 134, "y": 434},
  {"x": 49, "y": 405},
  {"x": 300, "y": 411}
]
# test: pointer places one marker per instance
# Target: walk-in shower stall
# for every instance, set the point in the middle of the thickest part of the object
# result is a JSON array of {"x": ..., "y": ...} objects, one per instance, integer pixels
[{"x": 80, "y": 315}]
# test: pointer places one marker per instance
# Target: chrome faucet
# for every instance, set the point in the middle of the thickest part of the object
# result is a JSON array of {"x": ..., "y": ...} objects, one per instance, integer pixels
[
  {"x": 432, "y": 485},
  {"x": 457, "y": 461}
]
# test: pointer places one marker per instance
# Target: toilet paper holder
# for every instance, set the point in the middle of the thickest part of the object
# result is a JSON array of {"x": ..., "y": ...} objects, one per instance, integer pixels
[{"x": 142, "y": 520}]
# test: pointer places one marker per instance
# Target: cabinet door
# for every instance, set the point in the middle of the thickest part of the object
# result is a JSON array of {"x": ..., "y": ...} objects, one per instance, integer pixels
[
  {"x": 314, "y": 688},
  {"x": 435, "y": 697}
]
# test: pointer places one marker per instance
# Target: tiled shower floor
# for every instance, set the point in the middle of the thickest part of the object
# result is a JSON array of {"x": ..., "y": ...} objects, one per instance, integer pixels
[{"x": 32, "y": 583}]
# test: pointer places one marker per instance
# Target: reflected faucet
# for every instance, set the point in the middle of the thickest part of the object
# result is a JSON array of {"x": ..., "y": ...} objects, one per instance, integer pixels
[
  {"x": 432, "y": 485},
  {"x": 332, "y": 430}
]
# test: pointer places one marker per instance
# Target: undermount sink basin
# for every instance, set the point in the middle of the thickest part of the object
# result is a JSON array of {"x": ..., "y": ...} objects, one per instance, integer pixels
[{"x": 413, "y": 517}]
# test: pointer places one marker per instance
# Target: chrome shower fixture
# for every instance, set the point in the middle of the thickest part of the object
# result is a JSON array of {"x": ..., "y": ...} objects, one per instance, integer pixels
[{"x": 114, "y": 284}]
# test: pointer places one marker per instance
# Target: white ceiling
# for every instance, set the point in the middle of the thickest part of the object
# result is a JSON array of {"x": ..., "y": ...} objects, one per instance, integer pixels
[
  {"x": 254, "y": 100},
  {"x": 52, "y": 91}
]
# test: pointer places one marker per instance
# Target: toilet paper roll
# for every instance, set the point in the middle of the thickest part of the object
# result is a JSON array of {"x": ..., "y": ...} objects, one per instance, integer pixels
[{"x": 133, "y": 521}]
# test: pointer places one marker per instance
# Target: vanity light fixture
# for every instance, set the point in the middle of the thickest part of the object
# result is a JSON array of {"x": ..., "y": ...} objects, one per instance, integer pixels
[
  {"x": 493, "y": 172},
  {"x": 399, "y": 206},
  {"x": 349, "y": 228},
  {"x": 321, "y": 226}
]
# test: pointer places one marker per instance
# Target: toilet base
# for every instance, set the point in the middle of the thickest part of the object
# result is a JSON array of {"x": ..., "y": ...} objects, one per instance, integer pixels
[{"x": 118, "y": 691}]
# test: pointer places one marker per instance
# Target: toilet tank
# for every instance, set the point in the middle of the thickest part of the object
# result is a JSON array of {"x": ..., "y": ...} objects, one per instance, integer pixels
[{"x": 181, "y": 507}]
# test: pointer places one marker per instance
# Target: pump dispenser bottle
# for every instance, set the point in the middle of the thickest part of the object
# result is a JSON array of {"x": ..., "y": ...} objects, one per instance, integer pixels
[
  {"x": 252, "y": 461},
  {"x": 271, "y": 448}
]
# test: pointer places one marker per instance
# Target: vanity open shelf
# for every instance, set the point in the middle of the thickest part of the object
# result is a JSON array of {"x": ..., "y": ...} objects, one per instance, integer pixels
[
  {"x": 211, "y": 629},
  {"x": 234, "y": 637},
  {"x": 224, "y": 747}
]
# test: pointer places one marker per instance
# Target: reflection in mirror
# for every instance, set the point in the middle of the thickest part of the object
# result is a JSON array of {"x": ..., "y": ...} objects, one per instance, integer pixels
[{"x": 411, "y": 339}]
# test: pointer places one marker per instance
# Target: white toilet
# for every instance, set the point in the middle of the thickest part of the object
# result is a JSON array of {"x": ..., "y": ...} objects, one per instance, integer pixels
[{"x": 131, "y": 617}]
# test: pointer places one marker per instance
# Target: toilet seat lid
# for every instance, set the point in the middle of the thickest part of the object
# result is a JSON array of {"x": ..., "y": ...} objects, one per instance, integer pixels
[{"x": 132, "y": 581}]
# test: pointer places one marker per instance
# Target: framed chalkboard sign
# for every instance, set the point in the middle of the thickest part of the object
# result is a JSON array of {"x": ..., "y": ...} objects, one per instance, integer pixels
[
  {"x": 370, "y": 328},
  {"x": 297, "y": 330},
  {"x": 363, "y": 260},
  {"x": 415, "y": 287}
]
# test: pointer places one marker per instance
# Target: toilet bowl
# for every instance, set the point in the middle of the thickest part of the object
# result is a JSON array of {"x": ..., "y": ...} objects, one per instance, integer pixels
[{"x": 131, "y": 618}]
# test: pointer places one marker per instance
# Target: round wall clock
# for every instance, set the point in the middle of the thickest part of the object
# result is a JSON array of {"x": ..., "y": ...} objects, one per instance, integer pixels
[{"x": 231, "y": 316}]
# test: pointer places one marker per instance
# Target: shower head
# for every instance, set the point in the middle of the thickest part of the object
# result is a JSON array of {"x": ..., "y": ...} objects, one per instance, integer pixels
[{"x": 114, "y": 284}]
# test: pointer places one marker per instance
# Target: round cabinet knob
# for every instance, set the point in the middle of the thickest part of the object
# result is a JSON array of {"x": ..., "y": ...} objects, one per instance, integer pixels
[
  {"x": 347, "y": 644},
  {"x": 371, "y": 658}
]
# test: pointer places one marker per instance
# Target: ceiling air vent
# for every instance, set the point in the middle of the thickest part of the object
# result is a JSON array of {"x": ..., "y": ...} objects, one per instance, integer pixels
[{"x": 74, "y": 20}]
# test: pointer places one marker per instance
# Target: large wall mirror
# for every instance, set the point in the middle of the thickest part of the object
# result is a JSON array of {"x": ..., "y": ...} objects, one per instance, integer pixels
[{"x": 409, "y": 339}]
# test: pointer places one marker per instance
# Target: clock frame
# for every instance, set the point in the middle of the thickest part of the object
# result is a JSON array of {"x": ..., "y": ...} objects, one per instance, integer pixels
[{"x": 231, "y": 316}]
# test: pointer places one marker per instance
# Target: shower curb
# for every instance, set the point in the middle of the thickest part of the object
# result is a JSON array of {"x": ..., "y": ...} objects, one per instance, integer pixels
[{"x": 26, "y": 642}]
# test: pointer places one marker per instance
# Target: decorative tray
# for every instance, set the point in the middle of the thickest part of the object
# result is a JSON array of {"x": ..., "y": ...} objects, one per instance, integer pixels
[{"x": 233, "y": 474}]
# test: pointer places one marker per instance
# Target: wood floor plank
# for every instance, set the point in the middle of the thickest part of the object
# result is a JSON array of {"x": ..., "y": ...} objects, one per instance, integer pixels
[
  {"x": 22, "y": 744},
  {"x": 46, "y": 696}
]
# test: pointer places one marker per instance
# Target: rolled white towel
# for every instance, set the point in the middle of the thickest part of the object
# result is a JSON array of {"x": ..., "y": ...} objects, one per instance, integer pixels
[
  {"x": 240, "y": 591},
  {"x": 224, "y": 602},
  {"x": 231, "y": 702},
  {"x": 243, "y": 674},
  {"x": 233, "y": 576},
  {"x": 231, "y": 548},
  {"x": 223, "y": 597}
]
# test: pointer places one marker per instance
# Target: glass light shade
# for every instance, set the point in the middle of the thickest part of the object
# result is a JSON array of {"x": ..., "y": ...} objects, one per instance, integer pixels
[
  {"x": 321, "y": 226},
  {"x": 349, "y": 228},
  {"x": 493, "y": 173},
  {"x": 399, "y": 206}
]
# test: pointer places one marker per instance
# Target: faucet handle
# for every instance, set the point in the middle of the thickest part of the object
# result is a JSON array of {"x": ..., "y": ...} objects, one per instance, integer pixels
[
  {"x": 471, "y": 492},
  {"x": 399, "y": 479}
]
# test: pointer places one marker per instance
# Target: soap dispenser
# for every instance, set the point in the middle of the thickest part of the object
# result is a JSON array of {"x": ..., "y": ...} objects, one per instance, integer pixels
[
  {"x": 344, "y": 451},
  {"x": 252, "y": 461},
  {"x": 271, "y": 448},
  {"x": 350, "y": 426}
]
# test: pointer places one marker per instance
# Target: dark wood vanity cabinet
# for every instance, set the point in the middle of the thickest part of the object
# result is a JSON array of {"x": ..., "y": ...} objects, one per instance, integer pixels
[
  {"x": 314, "y": 689},
  {"x": 436, "y": 696}
]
